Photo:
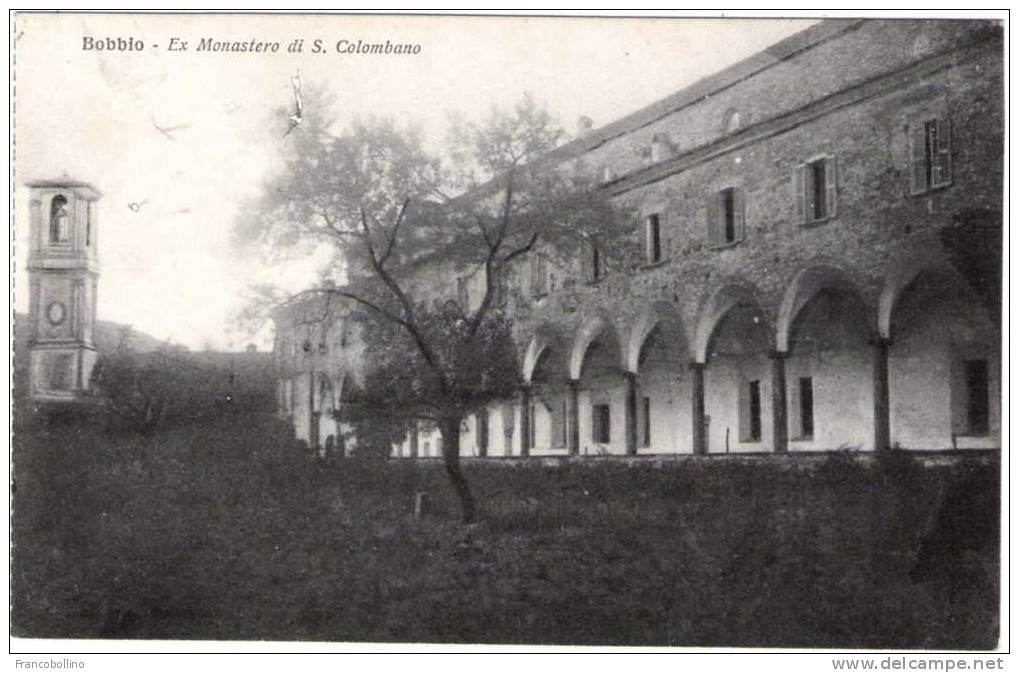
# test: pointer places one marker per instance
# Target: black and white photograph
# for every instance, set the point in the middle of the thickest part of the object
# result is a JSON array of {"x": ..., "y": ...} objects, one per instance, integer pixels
[{"x": 509, "y": 332}]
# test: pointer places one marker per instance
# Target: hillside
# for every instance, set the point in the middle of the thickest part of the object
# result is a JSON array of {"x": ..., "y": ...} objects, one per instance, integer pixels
[{"x": 248, "y": 376}]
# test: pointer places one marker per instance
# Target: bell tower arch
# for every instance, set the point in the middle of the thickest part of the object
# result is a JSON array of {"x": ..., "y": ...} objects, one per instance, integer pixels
[{"x": 63, "y": 271}]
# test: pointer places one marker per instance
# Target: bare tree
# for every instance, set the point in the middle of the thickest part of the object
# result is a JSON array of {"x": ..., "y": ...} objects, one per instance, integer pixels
[{"x": 402, "y": 221}]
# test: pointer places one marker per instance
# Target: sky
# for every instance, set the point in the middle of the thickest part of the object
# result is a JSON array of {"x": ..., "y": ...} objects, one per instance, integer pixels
[{"x": 167, "y": 265}]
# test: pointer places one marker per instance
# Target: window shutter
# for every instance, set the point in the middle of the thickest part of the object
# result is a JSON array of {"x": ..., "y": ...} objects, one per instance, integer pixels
[
  {"x": 810, "y": 189},
  {"x": 645, "y": 239},
  {"x": 587, "y": 261},
  {"x": 658, "y": 243},
  {"x": 715, "y": 220},
  {"x": 738, "y": 218},
  {"x": 918, "y": 158},
  {"x": 941, "y": 172},
  {"x": 800, "y": 187},
  {"x": 830, "y": 185}
]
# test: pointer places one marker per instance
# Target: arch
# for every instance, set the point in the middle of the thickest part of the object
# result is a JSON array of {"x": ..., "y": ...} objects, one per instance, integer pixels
[
  {"x": 590, "y": 329},
  {"x": 897, "y": 282},
  {"x": 326, "y": 393},
  {"x": 58, "y": 219},
  {"x": 545, "y": 337},
  {"x": 660, "y": 313},
  {"x": 714, "y": 309},
  {"x": 806, "y": 285}
]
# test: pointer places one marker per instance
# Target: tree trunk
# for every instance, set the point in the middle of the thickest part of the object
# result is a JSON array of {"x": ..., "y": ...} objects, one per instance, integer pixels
[{"x": 450, "y": 430}]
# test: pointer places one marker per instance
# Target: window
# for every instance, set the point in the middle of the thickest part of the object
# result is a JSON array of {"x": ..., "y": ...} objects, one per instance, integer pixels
[
  {"x": 645, "y": 427},
  {"x": 539, "y": 275},
  {"x": 730, "y": 121},
  {"x": 601, "y": 424},
  {"x": 653, "y": 238},
  {"x": 88, "y": 223},
  {"x": 930, "y": 155},
  {"x": 725, "y": 218},
  {"x": 661, "y": 148},
  {"x": 592, "y": 263},
  {"x": 806, "y": 399},
  {"x": 816, "y": 190},
  {"x": 461, "y": 292},
  {"x": 59, "y": 225},
  {"x": 750, "y": 411},
  {"x": 978, "y": 398},
  {"x": 558, "y": 414}
]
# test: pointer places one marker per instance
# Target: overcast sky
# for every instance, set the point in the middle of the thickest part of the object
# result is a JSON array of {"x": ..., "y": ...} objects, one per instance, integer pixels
[{"x": 167, "y": 268}]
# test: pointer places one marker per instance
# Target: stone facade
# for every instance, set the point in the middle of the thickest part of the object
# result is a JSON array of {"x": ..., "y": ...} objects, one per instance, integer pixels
[
  {"x": 794, "y": 291},
  {"x": 318, "y": 357}
]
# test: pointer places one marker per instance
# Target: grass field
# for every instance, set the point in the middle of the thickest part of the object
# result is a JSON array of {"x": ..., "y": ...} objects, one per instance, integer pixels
[{"x": 228, "y": 531}]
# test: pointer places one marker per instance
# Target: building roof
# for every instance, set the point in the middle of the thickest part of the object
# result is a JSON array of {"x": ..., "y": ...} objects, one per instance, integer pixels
[
  {"x": 66, "y": 183},
  {"x": 700, "y": 89}
]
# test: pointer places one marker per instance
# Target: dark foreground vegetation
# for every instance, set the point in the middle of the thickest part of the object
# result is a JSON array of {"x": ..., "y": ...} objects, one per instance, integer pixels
[{"x": 229, "y": 531}]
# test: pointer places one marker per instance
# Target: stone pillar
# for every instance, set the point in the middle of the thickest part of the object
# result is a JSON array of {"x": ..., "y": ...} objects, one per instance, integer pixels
[
  {"x": 573, "y": 409},
  {"x": 525, "y": 421},
  {"x": 482, "y": 432},
  {"x": 882, "y": 415},
  {"x": 414, "y": 439},
  {"x": 700, "y": 440},
  {"x": 631, "y": 413},
  {"x": 779, "y": 405}
]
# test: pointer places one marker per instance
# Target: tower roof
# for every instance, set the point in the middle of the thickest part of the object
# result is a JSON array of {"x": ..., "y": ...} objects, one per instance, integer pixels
[{"x": 67, "y": 183}]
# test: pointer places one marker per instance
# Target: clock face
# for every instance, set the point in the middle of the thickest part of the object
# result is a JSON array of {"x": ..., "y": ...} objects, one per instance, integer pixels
[{"x": 56, "y": 312}]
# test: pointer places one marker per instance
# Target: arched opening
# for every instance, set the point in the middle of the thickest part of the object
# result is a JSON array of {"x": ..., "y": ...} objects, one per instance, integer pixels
[
  {"x": 549, "y": 400},
  {"x": 943, "y": 365},
  {"x": 596, "y": 365},
  {"x": 734, "y": 343},
  {"x": 829, "y": 372},
  {"x": 658, "y": 354},
  {"x": 325, "y": 409},
  {"x": 60, "y": 229}
]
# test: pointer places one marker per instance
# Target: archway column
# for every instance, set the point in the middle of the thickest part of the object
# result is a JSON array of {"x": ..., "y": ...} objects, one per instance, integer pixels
[
  {"x": 573, "y": 409},
  {"x": 525, "y": 420},
  {"x": 414, "y": 439},
  {"x": 631, "y": 413},
  {"x": 779, "y": 420},
  {"x": 882, "y": 415},
  {"x": 700, "y": 444}
]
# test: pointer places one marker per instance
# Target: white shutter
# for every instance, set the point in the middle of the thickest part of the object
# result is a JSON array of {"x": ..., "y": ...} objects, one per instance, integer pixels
[
  {"x": 800, "y": 189},
  {"x": 941, "y": 171},
  {"x": 738, "y": 219},
  {"x": 918, "y": 158},
  {"x": 715, "y": 220},
  {"x": 831, "y": 185}
]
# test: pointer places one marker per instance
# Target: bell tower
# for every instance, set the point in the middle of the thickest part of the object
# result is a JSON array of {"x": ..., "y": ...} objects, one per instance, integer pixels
[{"x": 63, "y": 271}]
